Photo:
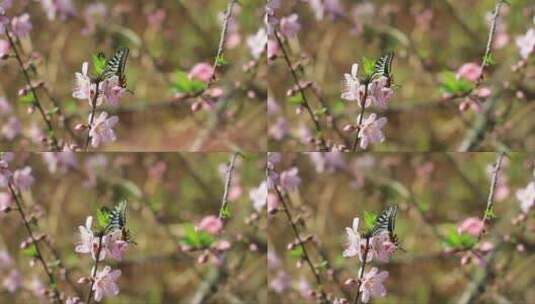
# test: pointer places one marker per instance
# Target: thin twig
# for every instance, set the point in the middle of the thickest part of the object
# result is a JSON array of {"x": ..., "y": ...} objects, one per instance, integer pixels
[
  {"x": 306, "y": 257},
  {"x": 228, "y": 181},
  {"x": 490, "y": 200},
  {"x": 361, "y": 118},
  {"x": 93, "y": 113},
  {"x": 38, "y": 254},
  {"x": 361, "y": 274},
  {"x": 305, "y": 103},
  {"x": 222, "y": 39},
  {"x": 94, "y": 274},
  {"x": 492, "y": 32},
  {"x": 36, "y": 101}
]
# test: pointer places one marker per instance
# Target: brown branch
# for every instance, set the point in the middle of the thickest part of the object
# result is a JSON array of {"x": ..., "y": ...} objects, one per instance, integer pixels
[
  {"x": 492, "y": 32},
  {"x": 490, "y": 200},
  {"x": 295, "y": 230},
  {"x": 36, "y": 102},
  {"x": 93, "y": 113},
  {"x": 38, "y": 254},
  {"x": 222, "y": 39},
  {"x": 305, "y": 103}
]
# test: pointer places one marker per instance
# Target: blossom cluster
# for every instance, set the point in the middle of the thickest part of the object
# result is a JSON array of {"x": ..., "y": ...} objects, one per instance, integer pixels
[
  {"x": 368, "y": 248},
  {"x": 99, "y": 246},
  {"x": 365, "y": 93}
]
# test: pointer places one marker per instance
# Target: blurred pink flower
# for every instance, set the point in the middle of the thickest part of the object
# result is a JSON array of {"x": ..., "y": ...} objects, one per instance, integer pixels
[
  {"x": 12, "y": 128},
  {"x": 110, "y": 91},
  {"x": 102, "y": 129},
  {"x": 88, "y": 242},
  {"x": 272, "y": 202},
  {"x": 279, "y": 129},
  {"x": 526, "y": 43},
  {"x": 6, "y": 261},
  {"x": 83, "y": 88},
  {"x": 259, "y": 196},
  {"x": 105, "y": 284},
  {"x": 5, "y": 107},
  {"x": 281, "y": 282},
  {"x": 115, "y": 246},
  {"x": 93, "y": 14},
  {"x": 60, "y": 161},
  {"x": 526, "y": 196},
  {"x": 382, "y": 247},
  {"x": 470, "y": 71},
  {"x": 353, "y": 90},
  {"x": 63, "y": 8},
  {"x": 211, "y": 224},
  {"x": 327, "y": 161},
  {"x": 289, "y": 179},
  {"x": 23, "y": 179},
  {"x": 12, "y": 281},
  {"x": 5, "y": 203},
  {"x": 202, "y": 71},
  {"x": 156, "y": 18},
  {"x": 273, "y": 49},
  {"x": 21, "y": 25},
  {"x": 4, "y": 49},
  {"x": 289, "y": 26},
  {"x": 329, "y": 8},
  {"x": 472, "y": 225},
  {"x": 272, "y": 106},
  {"x": 38, "y": 288},
  {"x": 379, "y": 94},
  {"x": 372, "y": 130},
  {"x": 257, "y": 43},
  {"x": 372, "y": 284},
  {"x": 73, "y": 300}
]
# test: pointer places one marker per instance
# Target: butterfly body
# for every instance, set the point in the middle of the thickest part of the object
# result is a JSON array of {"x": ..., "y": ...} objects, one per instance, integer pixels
[
  {"x": 386, "y": 223},
  {"x": 117, "y": 221}
]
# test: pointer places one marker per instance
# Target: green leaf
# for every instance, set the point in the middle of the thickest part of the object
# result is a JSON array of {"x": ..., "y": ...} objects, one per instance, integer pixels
[
  {"x": 322, "y": 265},
  {"x": 99, "y": 63},
  {"x": 490, "y": 214},
  {"x": 30, "y": 251},
  {"x": 103, "y": 218},
  {"x": 368, "y": 67},
  {"x": 70, "y": 106},
  {"x": 183, "y": 84},
  {"x": 296, "y": 100},
  {"x": 451, "y": 85},
  {"x": 320, "y": 112},
  {"x": 369, "y": 220},
  {"x": 459, "y": 241},
  {"x": 221, "y": 61},
  {"x": 488, "y": 60},
  {"x": 339, "y": 107},
  {"x": 28, "y": 99},
  {"x": 196, "y": 239},
  {"x": 225, "y": 211},
  {"x": 297, "y": 252}
]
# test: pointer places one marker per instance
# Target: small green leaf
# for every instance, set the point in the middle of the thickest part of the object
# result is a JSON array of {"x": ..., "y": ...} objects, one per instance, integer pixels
[
  {"x": 183, "y": 84},
  {"x": 221, "y": 61},
  {"x": 322, "y": 265},
  {"x": 452, "y": 85},
  {"x": 99, "y": 63},
  {"x": 490, "y": 214},
  {"x": 30, "y": 251},
  {"x": 296, "y": 100},
  {"x": 459, "y": 241},
  {"x": 103, "y": 218},
  {"x": 225, "y": 211},
  {"x": 368, "y": 67},
  {"x": 369, "y": 219},
  {"x": 297, "y": 252},
  {"x": 339, "y": 107},
  {"x": 320, "y": 112},
  {"x": 28, "y": 99},
  {"x": 488, "y": 59},
  {"x": 196, "y": 239}
]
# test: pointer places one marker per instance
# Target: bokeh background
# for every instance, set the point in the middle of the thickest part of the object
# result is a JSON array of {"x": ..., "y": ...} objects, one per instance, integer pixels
[
  {"x": 166, "y": 192},
  {"x": 435, "y": 192},
  {"x": 164, "y": 37},
  {"x": 428, "y": 38}
]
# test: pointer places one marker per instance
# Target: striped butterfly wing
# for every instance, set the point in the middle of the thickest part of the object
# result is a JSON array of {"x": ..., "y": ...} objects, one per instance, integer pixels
[
  {"x": 118, "y": 217},
  {"x": 385, "y": 222},
  {"x": 383, "y": 66},
  {"x": 116, "y": 65}
]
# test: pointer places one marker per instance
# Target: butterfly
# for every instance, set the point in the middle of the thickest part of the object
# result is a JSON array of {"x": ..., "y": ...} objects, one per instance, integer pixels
[
  {"x": 117, "y": 221},
  {"x": 383, "y": 67},
  {"x": 116, "y": 65},
  {"x": 386, "y": 223}
]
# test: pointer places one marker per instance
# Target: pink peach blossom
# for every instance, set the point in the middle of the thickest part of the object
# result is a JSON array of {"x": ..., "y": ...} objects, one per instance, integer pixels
[
  {"x": 372, "y": 130},
  {"x": 289, "y": 179},
  {"x": 202, "y": 71},
  {"x": 211, "y": 224},
  {"x": 472, "y": 225},
  {"x": 105, "y": 283},
  {"x": 23, "y": 179},
  {"x": 372, "y": 285},
  {"x": 21, "y": 25},
  {"x": 102, "y": 129},
  {"x": 526, "y": 43},
  {"x": 289, "y": 26},
  {"x": 470, "y": 71}
]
